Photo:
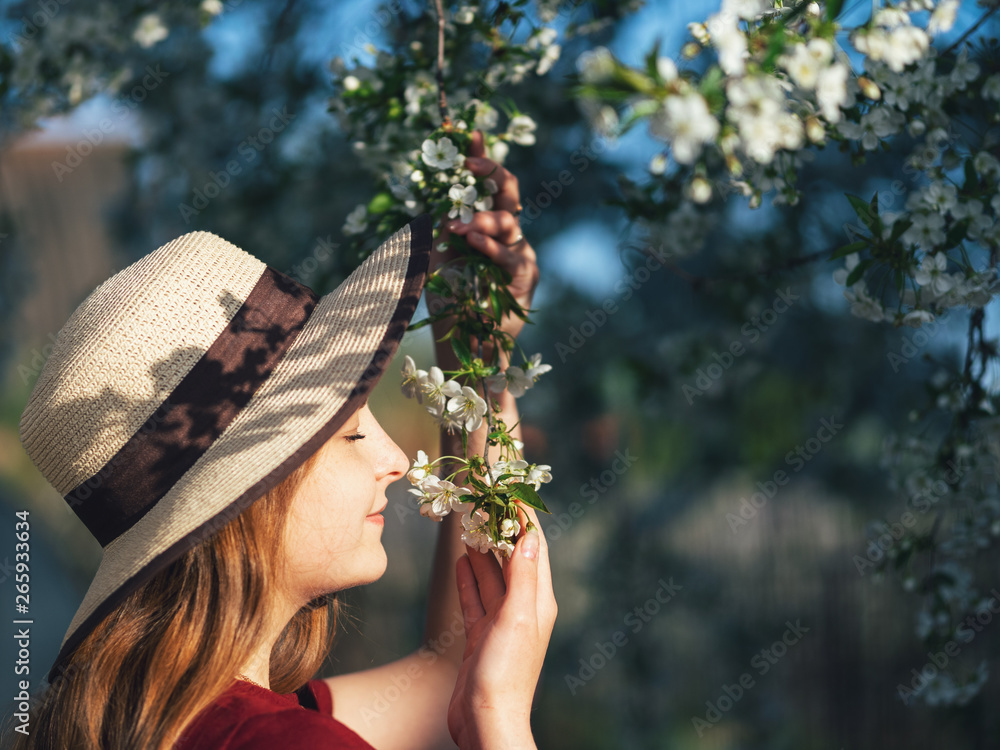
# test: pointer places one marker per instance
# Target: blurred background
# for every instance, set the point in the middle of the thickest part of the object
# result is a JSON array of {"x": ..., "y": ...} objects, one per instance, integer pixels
[{"x": 691, "y": 614}]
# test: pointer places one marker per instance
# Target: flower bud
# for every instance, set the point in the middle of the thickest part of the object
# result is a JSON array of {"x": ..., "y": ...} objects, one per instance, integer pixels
[
  {"x": 700, "y": 190},
  {"x": 690, "y": 50},
  {"x": 815, "y": 130},
  {"x": 699, "y": 32},
  {"x": 869, "y": 88}
]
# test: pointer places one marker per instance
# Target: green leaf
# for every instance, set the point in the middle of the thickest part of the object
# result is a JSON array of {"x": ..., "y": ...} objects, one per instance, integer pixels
[
  {"x": 859, "y": 270},
  {"x": 853, "y": 247},
  {"x": 419, "y": 324},
  {"x": 865, "y": 212},
  {"x": 651, "y": 58},
  {"x": 774, "y": 49},
  {"x": 462, "y": 351},
  {"x": 478, "y": 484},
  {"x": 898, "y": 229},
  {"x": 971, "y": 178},
  {"x": 381, "y": 203},
  {"x": 956, "y": 234},
  {"x": 527, "y": 495},
  {"x": 833, "y": 8}
]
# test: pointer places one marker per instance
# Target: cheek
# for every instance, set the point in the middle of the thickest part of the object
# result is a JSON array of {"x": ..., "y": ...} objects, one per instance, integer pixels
[{"x": 328, "y": 521}]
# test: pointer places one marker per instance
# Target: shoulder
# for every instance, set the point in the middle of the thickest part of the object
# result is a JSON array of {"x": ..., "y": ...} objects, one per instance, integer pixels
[{"x": 248, "y": 717}]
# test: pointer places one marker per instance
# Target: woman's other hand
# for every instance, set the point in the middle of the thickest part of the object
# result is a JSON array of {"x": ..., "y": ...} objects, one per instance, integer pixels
[{"x": 497, "y": 235}]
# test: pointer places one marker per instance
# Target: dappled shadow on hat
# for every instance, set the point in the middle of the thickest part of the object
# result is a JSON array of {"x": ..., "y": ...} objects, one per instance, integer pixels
[{"x": 256, "y": 392}]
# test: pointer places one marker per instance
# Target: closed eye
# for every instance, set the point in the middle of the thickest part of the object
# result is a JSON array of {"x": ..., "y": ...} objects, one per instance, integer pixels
[{"x": 356, "y": 436}]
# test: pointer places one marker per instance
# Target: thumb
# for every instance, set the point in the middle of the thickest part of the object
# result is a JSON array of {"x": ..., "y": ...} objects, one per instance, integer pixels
[{"x": 522, "y": 572}]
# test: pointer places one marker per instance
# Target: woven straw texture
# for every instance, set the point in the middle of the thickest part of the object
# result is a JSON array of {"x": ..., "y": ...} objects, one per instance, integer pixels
[{"x": 126, "y": 347}]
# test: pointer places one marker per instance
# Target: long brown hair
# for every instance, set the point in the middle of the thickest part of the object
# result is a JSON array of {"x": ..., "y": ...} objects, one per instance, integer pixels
[{"x": 170, "y": 648}]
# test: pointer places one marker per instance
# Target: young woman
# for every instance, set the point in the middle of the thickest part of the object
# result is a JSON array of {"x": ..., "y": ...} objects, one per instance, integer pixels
[{"x": 206, "y": 417}]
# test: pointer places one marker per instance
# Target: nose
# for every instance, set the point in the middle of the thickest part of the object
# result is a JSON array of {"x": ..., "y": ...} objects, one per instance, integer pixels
[{"x": 393, "y": 462}]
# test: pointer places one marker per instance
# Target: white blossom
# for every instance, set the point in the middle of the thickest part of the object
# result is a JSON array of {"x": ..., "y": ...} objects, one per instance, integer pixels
[
  {"x": 468, "y": 407},
  {"x": 510, "y": 527},
  {"x": 932, "y": 274},
  {"x": 441, "y": 155},
  {"x": 807, "y": 61},
  {"x": 926, "y": 232},
  {"x": 685, "y": 122},
  {"x": 413, "y": 379},
  {"x": 595, "y": 65},
  {"x": 420, "y": 470},
  {"x": 150, "y": 30},
  {"x": 463, "y": 199},
  {"x": 437, "y": 389},
  {"x": 729, "y": 42},
  {"x": 476, "y": 530},
  {"x": 466, "y": 14},
  {"x": 521, "y": 130},
  {"x": 831, "y": 91},
  {"x": 943, "y": 17},
  {"x": 991, "y": 87},
  {"x": 356, "y": 220},
  {"x": 863, "y": 305}
]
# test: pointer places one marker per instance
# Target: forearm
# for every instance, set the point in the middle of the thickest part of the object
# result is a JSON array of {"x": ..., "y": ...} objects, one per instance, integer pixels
[{"x": 444, "y": 613}]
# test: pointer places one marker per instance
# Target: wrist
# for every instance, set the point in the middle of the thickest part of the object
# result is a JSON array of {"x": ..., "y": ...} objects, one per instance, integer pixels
[{"x": 494, "y": 731}]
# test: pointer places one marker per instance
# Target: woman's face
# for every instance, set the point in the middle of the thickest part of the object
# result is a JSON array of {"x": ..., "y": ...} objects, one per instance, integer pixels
[{"x": 333, "y": 534}]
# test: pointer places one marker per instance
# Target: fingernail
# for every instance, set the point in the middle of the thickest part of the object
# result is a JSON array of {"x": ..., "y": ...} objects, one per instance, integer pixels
[
  {"x": 474, "y": 161},
  {"x": 529, "y": 547}
]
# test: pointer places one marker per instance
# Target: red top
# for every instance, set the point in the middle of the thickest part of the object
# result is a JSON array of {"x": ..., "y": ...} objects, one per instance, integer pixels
[{"x": 249, "y": 717}]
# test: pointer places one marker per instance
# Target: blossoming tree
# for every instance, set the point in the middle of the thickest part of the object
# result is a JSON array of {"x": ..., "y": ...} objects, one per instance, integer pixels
[{"x": 783, "y": 80}]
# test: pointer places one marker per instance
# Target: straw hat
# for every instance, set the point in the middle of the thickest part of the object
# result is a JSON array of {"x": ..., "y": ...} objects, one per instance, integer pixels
[{"x": 193, "y": 381}]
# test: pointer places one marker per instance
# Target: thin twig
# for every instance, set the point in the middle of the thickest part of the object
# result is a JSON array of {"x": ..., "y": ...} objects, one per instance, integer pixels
[
  {"x": 442, "y": 100},
  {"x": 482, "y": 383},
  {"x": 971, "y": 30}
]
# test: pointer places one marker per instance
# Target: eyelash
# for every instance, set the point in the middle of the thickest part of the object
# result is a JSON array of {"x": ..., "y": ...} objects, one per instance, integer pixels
[{"x": 356, "y": 436}]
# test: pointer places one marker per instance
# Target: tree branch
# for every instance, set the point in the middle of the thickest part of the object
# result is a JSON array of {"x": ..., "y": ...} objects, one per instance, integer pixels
[
  {"x": 442, "y": 100},
  {"x": 971, "y": 30}
]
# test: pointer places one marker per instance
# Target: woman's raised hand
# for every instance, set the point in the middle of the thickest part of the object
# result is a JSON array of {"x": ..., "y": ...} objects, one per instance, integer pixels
[
  {"x": 509, "y": 613},
  {"x": 497, "y": 235}
]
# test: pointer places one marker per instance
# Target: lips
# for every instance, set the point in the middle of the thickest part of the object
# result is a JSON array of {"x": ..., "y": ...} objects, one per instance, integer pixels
[{"x": 383, "y": 507}]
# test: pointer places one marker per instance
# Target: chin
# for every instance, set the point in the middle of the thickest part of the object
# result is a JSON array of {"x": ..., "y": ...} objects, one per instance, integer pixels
[{"x": 370, "y": 570}]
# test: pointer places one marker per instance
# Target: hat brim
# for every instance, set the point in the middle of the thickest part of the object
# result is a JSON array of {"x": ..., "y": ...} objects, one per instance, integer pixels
[{"x": 325, "y": 375}]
